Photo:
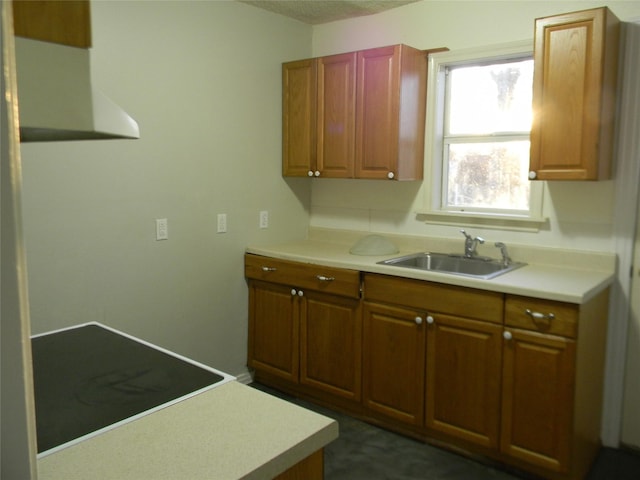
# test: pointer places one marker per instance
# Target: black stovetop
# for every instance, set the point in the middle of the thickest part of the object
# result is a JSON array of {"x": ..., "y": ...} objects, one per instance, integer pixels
[{"x": 90, "y": 377}]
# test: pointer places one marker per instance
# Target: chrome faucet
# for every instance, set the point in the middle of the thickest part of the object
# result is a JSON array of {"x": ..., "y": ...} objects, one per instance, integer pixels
[
  {"x": 506, "y": 259},
  {"x": 470, "y": 244}
]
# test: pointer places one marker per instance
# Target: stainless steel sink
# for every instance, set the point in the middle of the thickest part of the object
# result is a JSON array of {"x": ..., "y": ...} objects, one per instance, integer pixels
[{"x": 476, "y": 267}]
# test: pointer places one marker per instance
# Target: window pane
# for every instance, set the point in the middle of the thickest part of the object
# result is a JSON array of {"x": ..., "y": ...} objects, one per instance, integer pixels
[
  {"x": 489, "y": 175},
  {"x": 490, "y": 98}
]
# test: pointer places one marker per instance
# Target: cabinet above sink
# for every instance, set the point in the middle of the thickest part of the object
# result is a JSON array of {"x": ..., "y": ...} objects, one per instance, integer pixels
[{"x": 355, "y": 115}]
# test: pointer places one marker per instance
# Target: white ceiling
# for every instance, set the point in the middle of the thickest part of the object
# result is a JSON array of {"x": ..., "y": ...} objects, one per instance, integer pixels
[{"x": 315, "y": 12}]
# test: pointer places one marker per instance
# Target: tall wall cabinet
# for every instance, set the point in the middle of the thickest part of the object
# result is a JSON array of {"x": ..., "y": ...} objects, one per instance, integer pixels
[
  {"x": 574, "y": 95},
  {"x": 355, "y": 115}
]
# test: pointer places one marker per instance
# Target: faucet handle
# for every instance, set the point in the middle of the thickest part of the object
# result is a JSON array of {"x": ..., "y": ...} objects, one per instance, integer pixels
[
  {"x": 470, "y": 238},
  {"x": 506, "y": 260}
]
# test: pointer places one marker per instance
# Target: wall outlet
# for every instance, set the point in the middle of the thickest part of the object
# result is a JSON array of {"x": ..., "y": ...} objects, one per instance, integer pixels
[
  {"x": 162, "y": 229},
  {"x": 264, "y": 219},
  {"x": 222, "y": 223}
]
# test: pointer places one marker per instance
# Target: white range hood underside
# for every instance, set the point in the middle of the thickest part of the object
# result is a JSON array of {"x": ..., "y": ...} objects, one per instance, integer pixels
[{"x": 56, "y": 99}]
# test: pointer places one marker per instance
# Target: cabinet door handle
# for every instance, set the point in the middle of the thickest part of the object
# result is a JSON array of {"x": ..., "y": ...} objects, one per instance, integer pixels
[
  {"x": 294, "y": 292},
  {"x": 418, "y": 320},
  {"x": 430, "y": 319},
  {"x": 300, "y": 293},
  {"x": 507, "y": 335},
  {"x": 269, "y": 269},
  {"x": 322, "y": 278},
  {"x": 539, "y": 316}
]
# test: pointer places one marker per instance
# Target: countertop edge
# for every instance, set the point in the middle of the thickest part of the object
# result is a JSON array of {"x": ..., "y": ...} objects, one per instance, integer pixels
[
  {"x": 535, "y": 280},
  {"x": 229, "y": 432}
]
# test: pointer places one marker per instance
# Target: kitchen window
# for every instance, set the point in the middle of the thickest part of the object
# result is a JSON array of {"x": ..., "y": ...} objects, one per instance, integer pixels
[{"x": 479, "y": 120}]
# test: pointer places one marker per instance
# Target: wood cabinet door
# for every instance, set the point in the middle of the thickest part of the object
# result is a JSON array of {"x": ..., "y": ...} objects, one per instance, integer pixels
[
  {"x": 464, "y": 362},
  {"x": 336, "y": 115},
  {"x": 377, "y": 111},
  {"x": 574, "y": 95},
  {"x": 67, "y": 23},
  {"x": 537, "y": 398},
  {"x": 394, "y": 362},
  {"x": 273, "y": 330},
  {"x": 299, "y": 114},
  {"x": 331, "y": 344}
]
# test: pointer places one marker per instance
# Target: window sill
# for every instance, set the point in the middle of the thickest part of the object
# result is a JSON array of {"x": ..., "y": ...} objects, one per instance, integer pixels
[{"x": 495, "y": 221}]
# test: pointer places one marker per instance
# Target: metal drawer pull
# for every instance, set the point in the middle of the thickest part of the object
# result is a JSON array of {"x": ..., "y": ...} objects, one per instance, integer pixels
[
  {"x": 269, "y": 269},
  {"x": 540, "y": 316},
  {"x": 322, "y": 278}
]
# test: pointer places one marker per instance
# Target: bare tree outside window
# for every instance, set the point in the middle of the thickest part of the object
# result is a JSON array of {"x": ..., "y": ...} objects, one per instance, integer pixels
[{"x": 486, "y": 138}]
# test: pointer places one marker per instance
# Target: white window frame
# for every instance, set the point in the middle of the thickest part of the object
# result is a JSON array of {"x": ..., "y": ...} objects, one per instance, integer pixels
[{"x": 434, "y": 209}]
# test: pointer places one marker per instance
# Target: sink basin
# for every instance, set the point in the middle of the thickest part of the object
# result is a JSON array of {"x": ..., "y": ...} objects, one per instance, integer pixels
[{"x": 476, "y": 267}]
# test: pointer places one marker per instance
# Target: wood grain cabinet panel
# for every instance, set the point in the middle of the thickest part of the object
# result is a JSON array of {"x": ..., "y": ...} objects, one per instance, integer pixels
[
  {"x": 356, "y": 115},
  {"x": 574, "y": 95},
  {"x": 537, "y": 399},
  {"x": 66, "y": 22},
  {"x": 336, "y": 115},
  {"x": 464, "y": 359},
  {"x": 552, "y": 384},
  {"x": 391, "y": 104},
  {"x": 305, "y": 326},
  {"x": 299, "y": 112},
  {"x": 273, "y": 330},
  {"x": 331, "y": 344},
  {"x": 394, "y": 363}
]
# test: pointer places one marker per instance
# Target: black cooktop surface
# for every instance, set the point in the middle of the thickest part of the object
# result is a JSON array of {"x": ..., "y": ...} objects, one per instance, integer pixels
[{"x": 88, "y": 378}]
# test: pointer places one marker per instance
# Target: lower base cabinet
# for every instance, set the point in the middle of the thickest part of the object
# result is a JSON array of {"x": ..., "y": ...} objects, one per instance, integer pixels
[
  {"x": 537, "y": 398},
  {"x": 464, "y": 359},
  {"x": 331, "y": 345},
  {"x": 394, "y": 363},
  {"x": 305, "y": 326},
  {"x": 512, "y": 378}
]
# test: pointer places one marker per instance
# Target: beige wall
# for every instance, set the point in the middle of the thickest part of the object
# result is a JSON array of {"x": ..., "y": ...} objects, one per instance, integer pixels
[
  {"x": 580, "y": 214},
  {"x": 203, "y": 81}
]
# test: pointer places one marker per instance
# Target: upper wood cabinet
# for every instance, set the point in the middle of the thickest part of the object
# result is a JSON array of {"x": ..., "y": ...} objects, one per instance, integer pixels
[
  {"x": 367, "y": 117},
  {"x": 574, "y": 95},
  {"x": 299, "y": 117},
  {"x": 391, "y": 103},
  {"x": 336, "y": 115},
  {"x": 68, "y": 22}
]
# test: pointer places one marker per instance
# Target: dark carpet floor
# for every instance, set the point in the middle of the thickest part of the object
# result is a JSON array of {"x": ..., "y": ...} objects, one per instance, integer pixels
[{"x": 366, "y": 452}]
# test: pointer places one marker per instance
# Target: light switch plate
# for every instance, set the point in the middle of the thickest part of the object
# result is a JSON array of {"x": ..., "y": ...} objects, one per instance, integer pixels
[{"x": 162, "y": 229}]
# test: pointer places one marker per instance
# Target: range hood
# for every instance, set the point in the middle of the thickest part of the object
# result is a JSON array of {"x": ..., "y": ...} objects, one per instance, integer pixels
[{"x": 56, "y": 99}]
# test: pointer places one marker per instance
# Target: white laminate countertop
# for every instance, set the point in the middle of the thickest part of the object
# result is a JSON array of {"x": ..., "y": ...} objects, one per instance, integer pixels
[
  {"x": 552, "y": 274},
  {"x": 229, "y": 432}
]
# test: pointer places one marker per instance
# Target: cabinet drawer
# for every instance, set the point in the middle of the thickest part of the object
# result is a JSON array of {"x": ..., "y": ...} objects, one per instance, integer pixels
[
  {"x": 338, "y": 281},
  {"x": 547, "y": 316},
  {"x": 433, "y": 297}
]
